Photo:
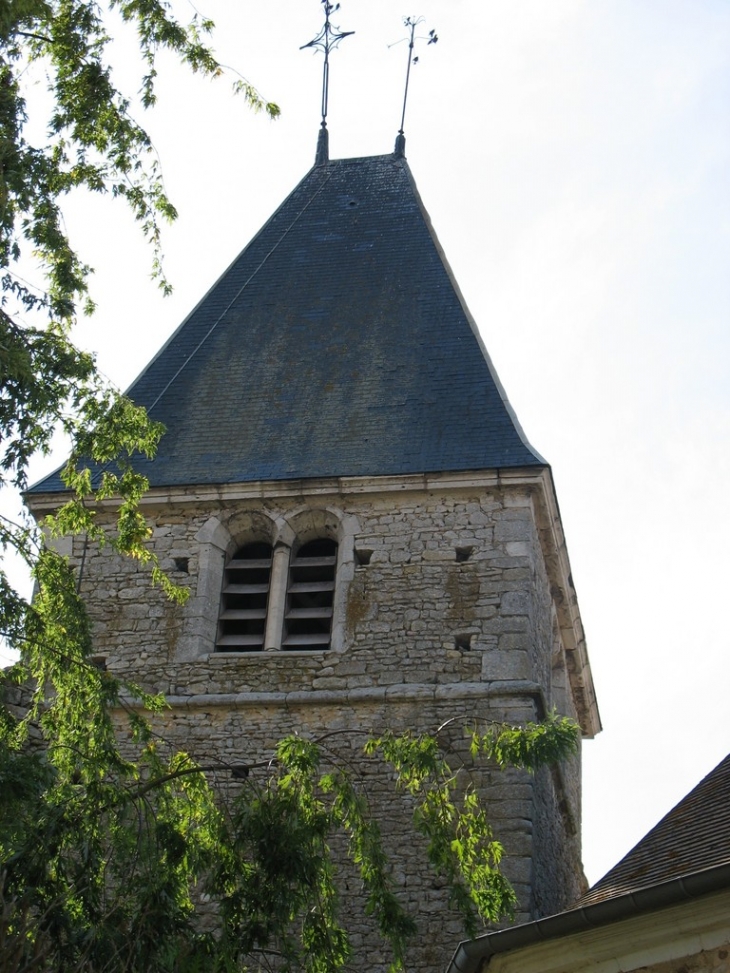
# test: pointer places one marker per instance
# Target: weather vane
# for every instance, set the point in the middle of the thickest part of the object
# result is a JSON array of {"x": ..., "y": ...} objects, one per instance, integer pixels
[
  {"x": 326, "y": 40},
  {"x": 432, "y": 38}
]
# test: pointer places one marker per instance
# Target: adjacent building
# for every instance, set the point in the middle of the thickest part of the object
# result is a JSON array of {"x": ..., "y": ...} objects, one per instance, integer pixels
[{"x": 664, "y": 908}]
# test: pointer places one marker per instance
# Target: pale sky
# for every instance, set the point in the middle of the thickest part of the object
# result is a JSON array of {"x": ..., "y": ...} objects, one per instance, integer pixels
[{"x": 573, "y": 156}]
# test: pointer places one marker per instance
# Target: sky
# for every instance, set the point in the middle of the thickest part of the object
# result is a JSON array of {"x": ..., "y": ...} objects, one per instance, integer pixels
[{"x": 573, "y": 156}]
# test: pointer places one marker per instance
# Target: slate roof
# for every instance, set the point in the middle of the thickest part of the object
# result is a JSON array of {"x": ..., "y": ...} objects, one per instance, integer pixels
[
  {"x": 336, "y": 344},
  {"x": 693, "y": 837}
]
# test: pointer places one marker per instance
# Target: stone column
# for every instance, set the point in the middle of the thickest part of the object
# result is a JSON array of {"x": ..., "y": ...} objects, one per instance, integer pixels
[{"x": 277, "y": 597}]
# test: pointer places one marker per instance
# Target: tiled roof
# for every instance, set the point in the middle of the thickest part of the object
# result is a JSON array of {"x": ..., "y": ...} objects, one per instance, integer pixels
[
  {"x": 336, "y": 344},
  {"x": 693, "y": 837}
]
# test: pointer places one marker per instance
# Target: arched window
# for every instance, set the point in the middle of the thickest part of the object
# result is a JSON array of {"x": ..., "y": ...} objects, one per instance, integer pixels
[
  {"x": 310, "y": 596},
  {"x": 244, "y": 601}
]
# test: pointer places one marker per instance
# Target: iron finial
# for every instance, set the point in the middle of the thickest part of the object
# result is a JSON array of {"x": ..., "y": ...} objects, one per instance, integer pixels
[
  {"x": 326, "y": 40},
  {"x": 432, "y": 38}
]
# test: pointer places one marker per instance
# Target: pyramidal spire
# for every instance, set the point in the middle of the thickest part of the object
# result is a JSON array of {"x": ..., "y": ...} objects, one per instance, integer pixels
[
  {"x": 326, "y": 40},
  {"x": 337, "y": 344}
]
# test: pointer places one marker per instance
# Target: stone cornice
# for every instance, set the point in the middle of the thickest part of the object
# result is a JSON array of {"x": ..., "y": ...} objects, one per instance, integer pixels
[{"x": 328, "y": 486}]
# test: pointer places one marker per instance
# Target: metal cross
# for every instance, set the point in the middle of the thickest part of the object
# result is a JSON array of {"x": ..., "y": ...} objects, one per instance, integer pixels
[{"x": 327, "y": 40}]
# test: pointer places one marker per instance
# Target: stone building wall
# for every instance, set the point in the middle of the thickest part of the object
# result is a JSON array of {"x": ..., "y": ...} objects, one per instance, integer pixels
[{"x": 443, "y": 610}]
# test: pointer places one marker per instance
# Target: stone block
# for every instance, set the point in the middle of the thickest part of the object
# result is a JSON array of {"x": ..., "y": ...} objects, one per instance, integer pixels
[
  {"x": 506, "y": 665},
  {"x": 515, "y": 603},
  {"x": 509, "y": 623}
]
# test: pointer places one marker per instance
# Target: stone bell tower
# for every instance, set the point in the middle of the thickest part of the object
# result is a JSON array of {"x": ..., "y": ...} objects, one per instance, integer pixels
[{"x": 369, "y": 539}]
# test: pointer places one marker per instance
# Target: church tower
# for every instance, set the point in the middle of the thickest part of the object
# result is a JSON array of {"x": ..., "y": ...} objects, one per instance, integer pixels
[{"x": 369, "y": 539}]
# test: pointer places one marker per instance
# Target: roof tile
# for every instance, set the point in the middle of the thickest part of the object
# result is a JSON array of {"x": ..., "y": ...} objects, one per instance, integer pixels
[{"x": 692, "y": 837}]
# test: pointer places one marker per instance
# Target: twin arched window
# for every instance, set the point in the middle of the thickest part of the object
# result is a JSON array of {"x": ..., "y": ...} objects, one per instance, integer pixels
[{"x": 277, "y": 598}]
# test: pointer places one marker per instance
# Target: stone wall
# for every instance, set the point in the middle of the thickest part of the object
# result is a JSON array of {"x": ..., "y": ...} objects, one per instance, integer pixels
[{"x": 444, "y": 609}]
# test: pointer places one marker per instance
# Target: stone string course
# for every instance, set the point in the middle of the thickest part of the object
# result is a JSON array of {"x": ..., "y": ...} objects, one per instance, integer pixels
[{"x": 451, "y": 618}]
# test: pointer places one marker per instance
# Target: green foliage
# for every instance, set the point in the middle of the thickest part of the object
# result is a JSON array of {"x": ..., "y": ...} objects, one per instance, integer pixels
[
  {"x": 528, "y": 747},
  {"x": 89, "y": 141},
  {"x": 461, "y": 846}
]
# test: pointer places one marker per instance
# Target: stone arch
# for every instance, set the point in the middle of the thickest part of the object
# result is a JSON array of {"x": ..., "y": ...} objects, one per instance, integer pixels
[
  {"x": 248, "y": 526},
  {"x": 309, "y": 523}
]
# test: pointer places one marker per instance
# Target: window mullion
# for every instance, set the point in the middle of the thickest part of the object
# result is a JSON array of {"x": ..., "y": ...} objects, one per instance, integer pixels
[{"x": 277, "y": 597}]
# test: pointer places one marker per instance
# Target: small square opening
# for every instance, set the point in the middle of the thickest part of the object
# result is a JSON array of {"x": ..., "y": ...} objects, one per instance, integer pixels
[
  {"x": 463, "y": 641},
  {"x": 464, "y": 553}
]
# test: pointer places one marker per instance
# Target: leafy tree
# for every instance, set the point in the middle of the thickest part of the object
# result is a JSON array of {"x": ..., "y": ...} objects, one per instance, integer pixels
[
  {"x": 129, "y": 859},
  {"x": 105, "y": 855},
  {"x": 93, "y": 142}
]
